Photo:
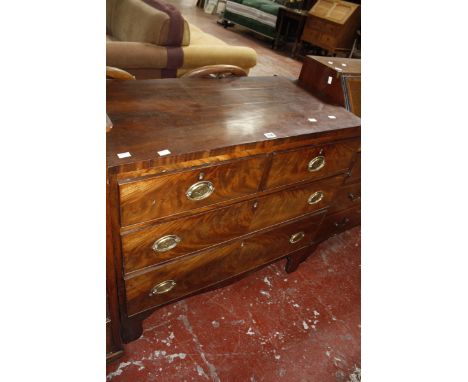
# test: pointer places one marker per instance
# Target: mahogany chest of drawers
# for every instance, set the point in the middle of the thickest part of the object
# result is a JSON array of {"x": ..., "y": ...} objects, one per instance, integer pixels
[{"x": 211, "y": 179}]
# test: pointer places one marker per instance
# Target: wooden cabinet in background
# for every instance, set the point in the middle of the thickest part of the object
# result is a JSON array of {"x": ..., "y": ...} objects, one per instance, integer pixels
[{"x": 332, "y": 25}]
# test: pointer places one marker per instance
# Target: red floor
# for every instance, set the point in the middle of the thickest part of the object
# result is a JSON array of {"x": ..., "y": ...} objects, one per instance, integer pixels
[{"x": 270, "y": 326}]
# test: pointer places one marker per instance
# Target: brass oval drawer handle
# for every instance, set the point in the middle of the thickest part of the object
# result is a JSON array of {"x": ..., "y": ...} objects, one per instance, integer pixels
[
  {"x": 296, "y": 237},
  {"x": 316, "y": 164},
  {"x": 163, "y": 287},
  {"x": 316, "y": 197},
  {"x": 166, "y": 243},
  {"x": 200, "y": 190}
]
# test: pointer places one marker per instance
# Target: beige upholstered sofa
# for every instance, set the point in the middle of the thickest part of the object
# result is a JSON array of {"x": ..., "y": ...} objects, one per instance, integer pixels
[{"x": 151, "y": 39}]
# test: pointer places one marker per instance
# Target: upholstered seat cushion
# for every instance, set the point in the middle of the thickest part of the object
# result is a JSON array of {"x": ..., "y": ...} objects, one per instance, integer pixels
[{"x": 205, "y": 49}]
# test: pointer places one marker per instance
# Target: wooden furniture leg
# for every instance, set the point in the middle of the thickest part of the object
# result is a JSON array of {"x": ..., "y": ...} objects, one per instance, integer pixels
[{"x": 298, "y": 257}]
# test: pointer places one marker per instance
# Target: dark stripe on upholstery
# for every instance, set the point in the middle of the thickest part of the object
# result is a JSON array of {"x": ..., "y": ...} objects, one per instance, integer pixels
[
  {"x": 175, "y": 59},
  {"x": 176, "y": 21}
]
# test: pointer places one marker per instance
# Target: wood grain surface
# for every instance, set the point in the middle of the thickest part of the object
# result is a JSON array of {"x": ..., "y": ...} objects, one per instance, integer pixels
[
  {"x": 214, "y": 265},
  {"x": 166, "y": 195},
  {"x": 347, "y": 196},
  {"x": 219, "y": 117},
  {"x": 292, "y": 166},
  {"x": 355, "y": 173},
  {"x": 196, "y": 233},
  {"x": 293, "y": 202}
]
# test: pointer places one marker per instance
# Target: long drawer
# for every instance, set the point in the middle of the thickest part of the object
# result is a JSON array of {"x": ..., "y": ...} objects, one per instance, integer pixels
[
  {"x": 293, "y": 202},
  {"x": 184, "y": 276},
  {"x": 167, "y": 195},
  {"x": 179, "y": 237},
  {"x": 310, "y": 163},
  {"x": 182, "y": 236}
]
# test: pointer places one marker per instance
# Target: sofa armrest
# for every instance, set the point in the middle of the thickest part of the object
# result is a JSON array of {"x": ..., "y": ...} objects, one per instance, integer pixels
[
  {"x": 142, "y": 21},
  {"x": 129, "y": 55}
]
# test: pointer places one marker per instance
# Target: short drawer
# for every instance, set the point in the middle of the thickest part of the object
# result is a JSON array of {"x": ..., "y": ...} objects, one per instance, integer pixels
[
  {"x": 294, "y": 202},
  {"x": 310, "y": 163},
  {"x": 181, "y": 277},
  {"x": 167, "y": 195},
  {"x": 339, "y": 222},
  {"x": 346, "y": 197},
  {"x": 186, "y": 235}
]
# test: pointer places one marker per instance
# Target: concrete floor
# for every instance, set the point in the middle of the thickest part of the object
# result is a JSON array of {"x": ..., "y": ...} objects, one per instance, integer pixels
[{"x": 269, "y": 326}]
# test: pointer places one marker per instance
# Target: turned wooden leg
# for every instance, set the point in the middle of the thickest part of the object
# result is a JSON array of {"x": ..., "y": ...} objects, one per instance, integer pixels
[{"x": 295, "y": 258}]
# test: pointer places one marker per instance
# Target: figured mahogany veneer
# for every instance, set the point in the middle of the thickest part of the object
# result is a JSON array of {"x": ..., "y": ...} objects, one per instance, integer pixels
[
  {"x": 195, "y": 233},
  {"x": 237, "y": 187},
  {"x": 292, "y": 166},
  {"x": 208, "y": 267},
  {"x": 161, "y": 196},
  {"x": 206, "y": 229},
  {"x": 294, "y": 201}
]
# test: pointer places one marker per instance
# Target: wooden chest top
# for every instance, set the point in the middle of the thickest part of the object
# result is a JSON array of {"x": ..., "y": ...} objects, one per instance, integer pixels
[
  {"x": 351, "y": 66},
  {"x": 200, "y": 118}
]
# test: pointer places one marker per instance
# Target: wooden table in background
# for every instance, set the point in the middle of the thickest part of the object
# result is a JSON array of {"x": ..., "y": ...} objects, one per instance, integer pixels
[{"x": 286, "y": 18}]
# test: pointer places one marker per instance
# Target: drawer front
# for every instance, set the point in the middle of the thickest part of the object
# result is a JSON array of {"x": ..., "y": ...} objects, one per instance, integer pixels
[
  {"x": 183, "y": 236},
  {"x": 184, "y": 276},
  {"x": 339, "y": 222},
  {"x": 188, "y": 274},
  {"x": 291, "y": 203},
  {"x": 283, "y": 240},
  {"x": 355, "y": 174},
  {"x": 346, "y": 197},
  {"x": 171, "y": 194},
  {"x": 310, "y": 163}
]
